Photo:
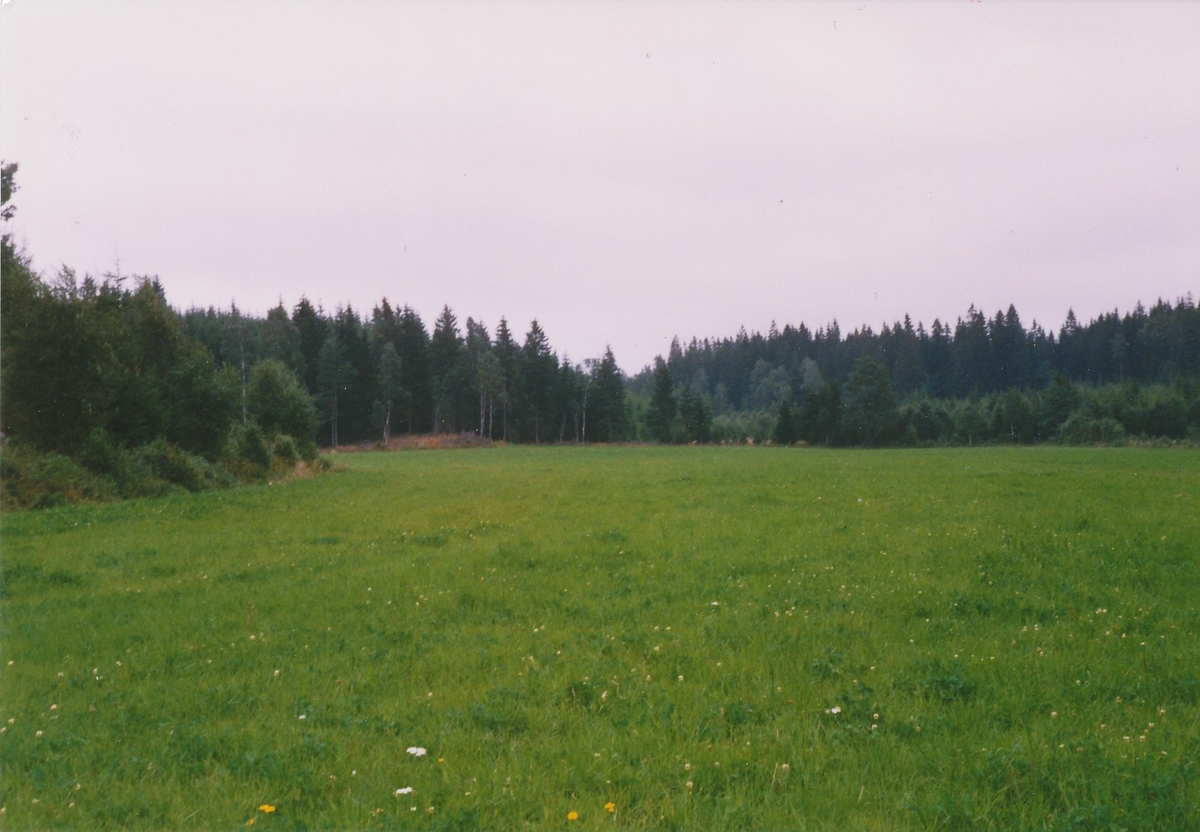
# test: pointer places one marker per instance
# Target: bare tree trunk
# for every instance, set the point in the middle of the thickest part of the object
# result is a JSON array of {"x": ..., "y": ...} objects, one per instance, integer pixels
[
  {"x": 333, "y": 421},
  {"x": 583, "y": 436},
  {"x": 387, "y": 426}
]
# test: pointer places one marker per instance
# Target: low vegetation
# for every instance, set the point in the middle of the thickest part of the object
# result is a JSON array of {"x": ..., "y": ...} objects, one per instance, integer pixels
[{"x": 646, "y": 638}]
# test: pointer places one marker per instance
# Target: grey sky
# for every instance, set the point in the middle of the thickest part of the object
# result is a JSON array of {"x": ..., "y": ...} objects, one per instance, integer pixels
[{"x": 623, "y": 172}]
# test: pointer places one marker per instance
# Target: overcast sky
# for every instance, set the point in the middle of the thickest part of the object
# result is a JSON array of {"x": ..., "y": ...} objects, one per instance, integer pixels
[{"x": 623, "y": 172}]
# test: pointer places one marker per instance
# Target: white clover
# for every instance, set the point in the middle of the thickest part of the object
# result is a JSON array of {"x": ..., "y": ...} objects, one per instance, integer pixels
[
  {"x": 416, "y": 751},
  {"x": 405, "y": 790}
]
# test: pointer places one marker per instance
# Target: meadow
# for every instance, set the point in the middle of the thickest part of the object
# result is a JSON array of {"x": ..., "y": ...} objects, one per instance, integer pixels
[{"x": 617, "y": 637}]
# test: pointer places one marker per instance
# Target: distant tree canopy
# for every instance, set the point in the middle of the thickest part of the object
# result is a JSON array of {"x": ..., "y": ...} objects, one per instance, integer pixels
[
  {"x": 110, "y": 355},
  {"x": 980, "y": 380}
]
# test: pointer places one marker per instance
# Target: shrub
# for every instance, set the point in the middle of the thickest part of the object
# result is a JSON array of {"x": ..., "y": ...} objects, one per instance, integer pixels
[
  {"x": 284, "y": 449},
  {"x": 30, "y": 479},
  {"x": 1082, "y": 429},
  {"x": 169, "y": 463}
]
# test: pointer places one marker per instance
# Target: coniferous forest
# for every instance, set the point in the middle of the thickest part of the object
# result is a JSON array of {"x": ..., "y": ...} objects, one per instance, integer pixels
[{"x": 109, "y": 391}]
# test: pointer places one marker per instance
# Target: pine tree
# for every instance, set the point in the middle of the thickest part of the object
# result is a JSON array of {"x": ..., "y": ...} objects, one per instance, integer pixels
[
  {"x": 539, "y": 369},
  {"x": 608, "y": 414},
  {"x": 660, "y": 417},
  {"x": 412, "y": 346},
  {"x": 785, "y": 426},
  {"x": 446, "y": 357},
  {"x": 334, "y": 375},
  {"x": 311, "y": 332},
  {"x": 508, "y": 358}
]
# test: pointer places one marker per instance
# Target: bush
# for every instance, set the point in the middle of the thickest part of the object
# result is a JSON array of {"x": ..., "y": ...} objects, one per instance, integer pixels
[
  {"x": 249, "y": 453},
  {"x": 30, "y": 479},
  {"x": 278, "y": 401},
  {"x": 1082, "y": 429},
  {"x": 172, "y": 465},
  {"x": 284, "y": 449}
]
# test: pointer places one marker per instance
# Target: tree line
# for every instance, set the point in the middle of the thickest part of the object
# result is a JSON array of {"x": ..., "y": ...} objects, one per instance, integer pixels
[
  {"x": 105, "y": 380},
  {"x": 984, "y": 379},
  {"x": 372, "y": 377}
]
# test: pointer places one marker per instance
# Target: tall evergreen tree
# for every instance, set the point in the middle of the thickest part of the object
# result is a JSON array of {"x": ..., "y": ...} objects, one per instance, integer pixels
[
  {"x": 785, "y": 426},
  {"x": 509, "y": 366},
  {"x": 660, "y": 418},
  {"x": 311, "y": 331},
  {"x": 334, "y": 376},
  {"x": 481, "y": 369},
  {"x": 538, "y": 374},
  {"x": 694, "y": 417},
  {"x": 607, "y": 412},
  {"x": 447, "y": 356},
  {"x": 412, "y": 345},
  {"x": 281, "y": 340}
]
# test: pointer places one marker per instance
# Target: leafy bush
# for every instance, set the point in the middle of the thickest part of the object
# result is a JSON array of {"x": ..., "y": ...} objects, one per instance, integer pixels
[
  {"x": 1081, "y": 429},
  {"x": 284, "y": 449},
  {"x": 41, "y": 480},
  {"x": 169, "y": 463}
]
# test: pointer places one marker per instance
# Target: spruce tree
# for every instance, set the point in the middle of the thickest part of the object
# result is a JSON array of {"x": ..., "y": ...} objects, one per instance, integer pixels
[
  {"x": 660, "y": 417},
  {"x": 412, "y": 346},
  {"x": 785, "y": 426},
  {"x": 608, "y": 414}
]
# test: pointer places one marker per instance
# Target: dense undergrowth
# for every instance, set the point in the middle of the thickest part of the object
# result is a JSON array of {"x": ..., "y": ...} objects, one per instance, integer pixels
[{"x": 102, "y": 472}]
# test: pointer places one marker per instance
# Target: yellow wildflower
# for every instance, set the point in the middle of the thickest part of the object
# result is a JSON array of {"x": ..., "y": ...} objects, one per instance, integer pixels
[
  {"x": 572, "y": 816},
  {"x": 266, "y": 808},
  {"x": 610, "y": 807}
]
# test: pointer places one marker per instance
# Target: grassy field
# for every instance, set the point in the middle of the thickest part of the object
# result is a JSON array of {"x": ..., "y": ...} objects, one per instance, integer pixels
[{"x": 700, "y": 638}]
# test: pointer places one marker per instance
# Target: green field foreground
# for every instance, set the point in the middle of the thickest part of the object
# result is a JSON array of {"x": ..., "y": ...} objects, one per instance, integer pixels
[{"x": 649, "y": 638}]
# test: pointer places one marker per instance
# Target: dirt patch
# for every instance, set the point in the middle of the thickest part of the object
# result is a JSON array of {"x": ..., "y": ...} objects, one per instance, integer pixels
[{"x": 420, "y": 442}]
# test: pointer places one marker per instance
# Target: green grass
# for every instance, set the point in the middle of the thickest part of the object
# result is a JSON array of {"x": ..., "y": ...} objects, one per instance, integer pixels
[{"x": 1008, "y": 636}]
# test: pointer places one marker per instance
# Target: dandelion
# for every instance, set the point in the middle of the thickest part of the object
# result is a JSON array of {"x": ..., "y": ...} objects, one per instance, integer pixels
[
  {"x": 405, "y": 790},
  {"x": 689, "y": 784},
  {"x": 266, "y": 808},
  {"x": 610, "y": 807},
  {"x": 572, "y": 816},
  {"x": 416, "y": 751},
  {"x": 687, "y": 766}
]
